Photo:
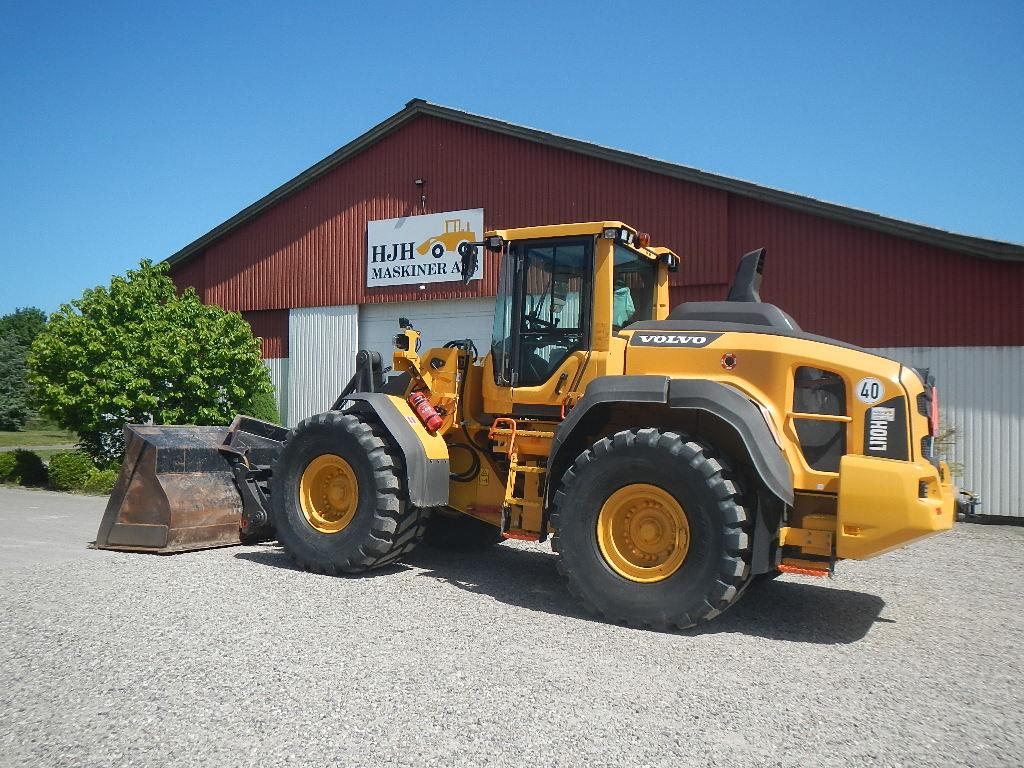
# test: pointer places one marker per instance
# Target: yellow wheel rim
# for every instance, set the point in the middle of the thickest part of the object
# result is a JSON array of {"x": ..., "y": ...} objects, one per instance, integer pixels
[
  {"x": 643, "y": 533},
  {"x": 328, "y": 493}
]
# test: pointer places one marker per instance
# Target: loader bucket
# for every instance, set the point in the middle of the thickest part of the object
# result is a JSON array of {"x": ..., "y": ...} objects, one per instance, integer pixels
[{"x": 177, "y": 489}]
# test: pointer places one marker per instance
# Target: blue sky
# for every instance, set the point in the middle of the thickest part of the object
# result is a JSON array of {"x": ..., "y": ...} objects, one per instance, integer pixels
[{"x": 126, "y": 131}]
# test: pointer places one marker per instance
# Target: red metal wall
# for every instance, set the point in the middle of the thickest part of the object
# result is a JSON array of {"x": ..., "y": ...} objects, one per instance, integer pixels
[
  {"x": 271, "y": 326},
  {"x": 192, "y": 274},
  {"x": 835, "y": 279}
]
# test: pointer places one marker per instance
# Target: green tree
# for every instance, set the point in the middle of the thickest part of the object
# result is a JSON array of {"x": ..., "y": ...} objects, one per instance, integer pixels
[
  {"x": 17, "y": 330},
  {"x": 14, "y": 407},
  {"x": 25, "y": 323},
  {"x": 136, "y": 351}
]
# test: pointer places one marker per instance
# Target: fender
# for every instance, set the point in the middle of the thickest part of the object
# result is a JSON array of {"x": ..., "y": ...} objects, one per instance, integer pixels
[
  {"x": 723, "y": 401},
  {"x": 426, "y": 455}
]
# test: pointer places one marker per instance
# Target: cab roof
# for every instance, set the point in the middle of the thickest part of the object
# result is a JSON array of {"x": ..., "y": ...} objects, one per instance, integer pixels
[
  {"x": 594, "y": 228},
  {"x": 558, "y": 230}
]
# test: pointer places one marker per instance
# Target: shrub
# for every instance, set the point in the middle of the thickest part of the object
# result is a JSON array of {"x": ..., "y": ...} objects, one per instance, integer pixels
[
  {"x": 6, "y": 466},
  {"x": 101, "y": 481},
  {"x": 69, "y": 471},
  {"x": 28, "y": 468},
  {"x": 264, "y": 407},
  {"x": 136, "y": 351}
]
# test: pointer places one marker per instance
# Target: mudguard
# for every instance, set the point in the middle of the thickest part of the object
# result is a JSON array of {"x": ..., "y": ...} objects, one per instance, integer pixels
[
  {"x": 426, "y": 455},
  {"x": 721, "y": 400}
]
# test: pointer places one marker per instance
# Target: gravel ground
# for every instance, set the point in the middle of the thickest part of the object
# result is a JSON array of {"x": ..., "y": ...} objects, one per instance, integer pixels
[{"x": 231, "y": 657}]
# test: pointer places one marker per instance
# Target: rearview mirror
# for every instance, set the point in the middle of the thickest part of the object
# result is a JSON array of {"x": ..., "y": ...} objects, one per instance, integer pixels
[{"x": 469, "y": 261}]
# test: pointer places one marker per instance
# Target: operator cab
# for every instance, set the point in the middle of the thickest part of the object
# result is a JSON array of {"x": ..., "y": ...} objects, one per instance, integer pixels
[{"x": 563, "y": 292}]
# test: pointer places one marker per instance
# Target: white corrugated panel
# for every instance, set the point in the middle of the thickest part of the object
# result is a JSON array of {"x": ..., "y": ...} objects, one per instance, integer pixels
[
  {"x": 438, "y": 321},
  {"x": 322, "y": 342},
  {"x": 980, "y": 396},
  {"x": 278, "y": 367}
]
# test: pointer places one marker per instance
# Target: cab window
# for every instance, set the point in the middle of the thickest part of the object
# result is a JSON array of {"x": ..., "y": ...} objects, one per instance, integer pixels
[
  {"x": 553, "y": 307},
  {"x": 635, "y": 282}
]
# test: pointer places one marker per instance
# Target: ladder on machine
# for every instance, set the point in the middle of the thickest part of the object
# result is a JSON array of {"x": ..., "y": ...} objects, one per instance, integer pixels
[{"x": 532, "y": 506}]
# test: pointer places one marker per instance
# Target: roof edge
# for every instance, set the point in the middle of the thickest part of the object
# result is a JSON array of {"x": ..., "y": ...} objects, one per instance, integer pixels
[{"x": 967, "y": 244}]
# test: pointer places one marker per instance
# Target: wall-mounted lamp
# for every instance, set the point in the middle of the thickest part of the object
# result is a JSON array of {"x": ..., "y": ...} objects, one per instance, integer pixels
[{"x": 420, "y": 185}]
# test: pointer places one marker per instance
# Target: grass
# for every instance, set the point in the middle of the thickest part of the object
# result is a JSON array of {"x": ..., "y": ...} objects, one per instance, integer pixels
[{"x": 38, "y": 435}]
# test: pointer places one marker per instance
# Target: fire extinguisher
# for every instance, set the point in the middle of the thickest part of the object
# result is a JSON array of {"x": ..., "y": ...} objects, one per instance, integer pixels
[{"x": 428, "y": 414}]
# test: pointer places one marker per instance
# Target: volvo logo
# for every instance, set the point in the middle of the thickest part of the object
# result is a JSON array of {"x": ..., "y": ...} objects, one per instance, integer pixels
[{"x": 690, "y": 340}]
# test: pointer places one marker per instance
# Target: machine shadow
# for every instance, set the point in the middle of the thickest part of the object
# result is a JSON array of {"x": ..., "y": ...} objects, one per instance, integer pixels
[
  {"x": 776, "y": 610},
  {"x": 527, "y": 578},
  {"x": 272, "y": 555}
]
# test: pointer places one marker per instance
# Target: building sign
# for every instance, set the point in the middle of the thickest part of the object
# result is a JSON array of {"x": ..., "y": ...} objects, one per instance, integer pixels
[{"x": 421, "y": 249}]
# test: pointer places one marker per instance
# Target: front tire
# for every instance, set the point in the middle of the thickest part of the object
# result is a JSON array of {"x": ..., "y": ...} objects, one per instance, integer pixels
[
  {"x": 338, "y": 496},
  {"x": 650, "y": 532}
]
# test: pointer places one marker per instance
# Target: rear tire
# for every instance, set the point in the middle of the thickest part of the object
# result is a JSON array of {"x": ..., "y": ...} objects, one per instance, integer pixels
[
  {"x": 714, "y": 569},
  {"x": 460, "y": 533},
  {"x": 377, "y": 525}
]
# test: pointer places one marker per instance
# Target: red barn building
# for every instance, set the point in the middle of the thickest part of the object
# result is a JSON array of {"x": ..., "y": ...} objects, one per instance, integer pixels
[{"x": 296, "y": 264}]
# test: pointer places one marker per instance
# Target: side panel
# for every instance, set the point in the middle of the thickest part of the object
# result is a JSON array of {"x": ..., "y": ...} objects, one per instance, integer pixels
[
  {"x": 763, "y": 366},
  {"x": 426, "y": 455}
]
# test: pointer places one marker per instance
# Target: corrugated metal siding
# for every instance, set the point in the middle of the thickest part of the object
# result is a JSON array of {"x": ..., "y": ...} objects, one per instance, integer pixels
[
  {"x": 835, "y": 279},
  {"x": 271, "y": 326},
  {"x": 438, "y": 321},
  {"x": 323, "y": 343},
  {"x": 302, "y": 252},
  {"x": 980, "y": 397},
  {"x": 192, "y": 274},
  {"x": 278, "y": 368},
  {"x": 874, "y": 289}
]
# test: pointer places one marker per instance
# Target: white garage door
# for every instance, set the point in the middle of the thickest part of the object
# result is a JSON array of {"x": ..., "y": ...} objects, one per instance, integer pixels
[
  {"x": 438, "y": 321},
  {"x": 322, "y": 343}
]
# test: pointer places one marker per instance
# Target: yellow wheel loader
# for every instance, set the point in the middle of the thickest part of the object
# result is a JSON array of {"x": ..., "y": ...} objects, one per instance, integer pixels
[{"x": 672, "y": 457}]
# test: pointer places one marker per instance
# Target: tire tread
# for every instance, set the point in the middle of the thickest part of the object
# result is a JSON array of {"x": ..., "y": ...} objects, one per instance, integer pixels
[
  {"x": 733, "y": 568},
  {"x": 397, "y": 526}
]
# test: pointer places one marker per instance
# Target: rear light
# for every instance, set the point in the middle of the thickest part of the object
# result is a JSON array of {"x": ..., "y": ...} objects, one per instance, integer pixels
[{"x": 933, "y": 416}]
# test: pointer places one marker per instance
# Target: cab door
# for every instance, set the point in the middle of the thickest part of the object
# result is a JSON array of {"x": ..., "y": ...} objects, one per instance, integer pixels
[{"x": 542, "y": 323}]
